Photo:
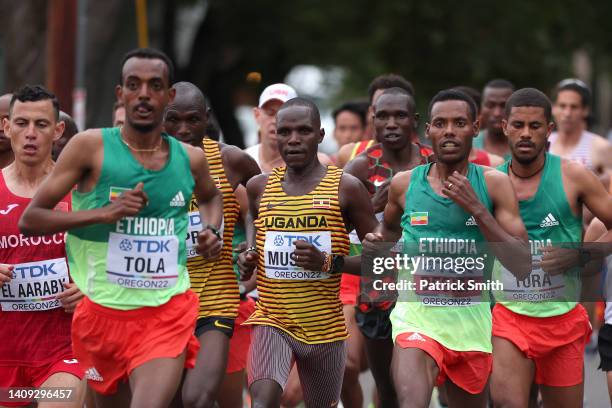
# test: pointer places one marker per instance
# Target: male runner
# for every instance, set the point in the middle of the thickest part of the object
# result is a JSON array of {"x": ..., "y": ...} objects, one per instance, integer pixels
[
  {"x": 266, "y": 152},
  {"x": 539, "y": 329},
  {"x": 300, "y": 214},
  {"x": 126, "y": 241},
  {"x": 572, "y": 140},
  {"x": 446, "y": 209},
  {"x": 375, "y": 89},
  {"x": 36, "y": 298},
  {"x": 6, "y": 152},
  {"x": 491, "y": 137},
  {"x": 70, "y": 129},
  {"x": 349, "y": 122},
  {"x": 395, "y": 118},
  {"x": 214, "y": 281}
]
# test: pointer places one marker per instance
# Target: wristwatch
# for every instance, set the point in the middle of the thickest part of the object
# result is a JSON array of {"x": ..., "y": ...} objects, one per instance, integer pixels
[
  {"x": 214, "y": 231},
  {"x": 337, "y": 263}
]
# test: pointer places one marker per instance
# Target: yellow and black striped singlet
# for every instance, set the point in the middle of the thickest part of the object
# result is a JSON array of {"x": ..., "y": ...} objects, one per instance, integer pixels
[
  {"x": 304, "y": 304},
  {"x": 215, "y": 281}
]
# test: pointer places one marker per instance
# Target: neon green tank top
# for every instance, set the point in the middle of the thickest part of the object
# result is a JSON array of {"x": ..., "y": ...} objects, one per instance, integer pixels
[
  {"x": 549, "y": 219},
  {"x": 444, "y": 237},
  {"x": 137, "y": 261}
]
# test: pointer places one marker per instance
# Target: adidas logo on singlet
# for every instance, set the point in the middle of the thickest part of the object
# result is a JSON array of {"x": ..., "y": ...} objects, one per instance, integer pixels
[
  {"x": 470, "y": 221},
  {"x": 93, "y": 375},
  {"x": 416, "y": 337},
  {"x": 549, "y": 221},
  {"x": 178, "y": 200}
]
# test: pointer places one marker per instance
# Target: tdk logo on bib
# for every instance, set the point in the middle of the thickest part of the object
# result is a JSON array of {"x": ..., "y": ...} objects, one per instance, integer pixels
[{"x": 278, "y": 250}]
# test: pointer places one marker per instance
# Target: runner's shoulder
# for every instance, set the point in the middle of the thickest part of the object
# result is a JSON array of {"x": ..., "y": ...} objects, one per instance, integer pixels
[
  {"x": 344, "y": 154},
  {"x": 257, "y": 184},
  {"x": 493, "y": 176},
  {"x": 358, "y": 166},
  {"x": 400, "y": 181},
  {"x": 234, "y": 157},
  {"x": 576, "y": 172},
  {"x": 89, "y": 141}
]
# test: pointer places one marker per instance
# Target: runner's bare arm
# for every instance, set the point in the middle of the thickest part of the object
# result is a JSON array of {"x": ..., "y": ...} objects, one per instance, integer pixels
[
  {"x": 247, "y": 261},
  {"x": 390, "y": 228},
  {"x": 72, "y": 167},
  {"x": 241, "y": 167},
  {"x": 593, "y": 195},
  {"x": 344, "y": 154},
  {"x": 504, "y": 228},
  {"x": 358, "y": 212},
  {"x": 210, "y": 204}
]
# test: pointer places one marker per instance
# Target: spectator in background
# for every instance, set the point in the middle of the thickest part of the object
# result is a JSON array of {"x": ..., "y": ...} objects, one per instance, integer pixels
[{"x": 70, "y": 129}]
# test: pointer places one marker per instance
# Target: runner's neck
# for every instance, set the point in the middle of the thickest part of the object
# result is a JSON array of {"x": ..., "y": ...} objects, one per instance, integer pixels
[
  {"x": 141, "y": 140},
  {"x": 399, "y": 159},
  {"x": 24, "y": 180},
  {"x": 443, "y": 170}
]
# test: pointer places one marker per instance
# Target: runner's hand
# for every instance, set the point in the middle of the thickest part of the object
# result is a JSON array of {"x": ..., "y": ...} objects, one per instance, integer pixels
[
  {"x": 209, "y": 245},
  {"x": 247, "y": 261},
  {"x": 307, "y": 256},
  {"x": 381, "y": 196},
  {"x": 70, "y": 297},
  {"x": 458, "y": 188},
  {"x": 129, "y": 203},
  {"x": 557, "y": 260},
  {"x": 371, "y": 243},
  {"x": 6, "y": 273}
]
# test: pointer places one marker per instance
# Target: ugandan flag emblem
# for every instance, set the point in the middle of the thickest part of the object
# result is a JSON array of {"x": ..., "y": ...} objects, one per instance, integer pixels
[
  {"x": 321, "y": 202},
  {"x": 419, "y": 218}
]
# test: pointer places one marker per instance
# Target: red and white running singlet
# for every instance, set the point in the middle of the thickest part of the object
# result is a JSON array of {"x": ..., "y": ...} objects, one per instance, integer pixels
[{"x": 35, "y": 328}]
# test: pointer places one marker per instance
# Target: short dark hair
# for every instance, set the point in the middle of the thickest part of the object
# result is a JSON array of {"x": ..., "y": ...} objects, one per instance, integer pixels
[
  {"x": 576, "y": 85},
  {"x": 499, "y": 83},
  {"x": 401, "y": 91},
  {"x": 34, "y": 93},
  {"x": 453, "y": 95},
  {"x": 187, "y": 88},
  {"x": 474, "y": 94},
  {"x": 529, "y": 97},
  {"x": 148, "y": 53},
  {"x": 306, "y": 103},
  {"x": 387, "y": 81},
  {"x": 359, "y": 109}
]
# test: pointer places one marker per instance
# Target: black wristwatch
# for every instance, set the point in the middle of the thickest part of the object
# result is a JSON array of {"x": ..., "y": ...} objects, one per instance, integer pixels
[
  {"x": 584, "y": 256},
  {"x": 214, "y": 231},
  {"x": 337, "y": 263}
]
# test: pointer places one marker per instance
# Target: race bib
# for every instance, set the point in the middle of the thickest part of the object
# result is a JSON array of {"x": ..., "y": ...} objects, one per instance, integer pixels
[
  {"x": 437, "y": 282},
  {"x": 34, "y": 286},
  {"x": 142, "y": 262},
  {"x": 194, "y": 226},
  {"x": 537, "y": 287},
  {"x": 279, "y": 246}
]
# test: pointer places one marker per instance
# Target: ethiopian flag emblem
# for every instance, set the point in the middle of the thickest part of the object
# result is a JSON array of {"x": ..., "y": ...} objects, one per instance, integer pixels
[
  {"x": 419, "y": 218},
  {"x": 115, "y": 192}
]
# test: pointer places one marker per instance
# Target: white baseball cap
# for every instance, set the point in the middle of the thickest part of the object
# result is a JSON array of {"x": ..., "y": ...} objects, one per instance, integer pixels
[{"x": 281, "y": 92}]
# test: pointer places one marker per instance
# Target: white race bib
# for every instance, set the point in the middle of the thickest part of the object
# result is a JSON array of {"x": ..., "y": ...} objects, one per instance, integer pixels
[
  {"x": 194, "y": 226},
  {"x": 142, "y": 262},
  {"x": 279, "y": 246},
  {"x": 538, "y": 286},
  {"x": 437, "y": 283},
  {"x": 34, "y": 286}
]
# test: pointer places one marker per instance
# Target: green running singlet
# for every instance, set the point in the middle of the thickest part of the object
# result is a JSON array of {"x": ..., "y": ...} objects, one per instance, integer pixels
[
  {"x": 137, "y": 261},
  {"x": 549, "y": 220},
  {"x": 434, "y": 227}
]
